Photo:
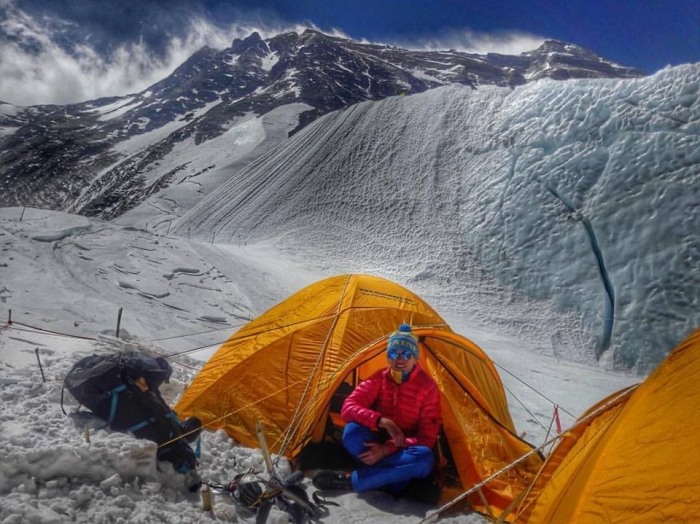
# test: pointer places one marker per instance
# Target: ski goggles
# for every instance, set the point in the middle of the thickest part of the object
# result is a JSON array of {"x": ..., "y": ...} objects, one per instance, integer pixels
[{"x": 404, "y": 353}]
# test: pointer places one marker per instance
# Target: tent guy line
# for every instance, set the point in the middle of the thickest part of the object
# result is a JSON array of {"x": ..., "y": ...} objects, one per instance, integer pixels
[{"x": 170, "y": 357}]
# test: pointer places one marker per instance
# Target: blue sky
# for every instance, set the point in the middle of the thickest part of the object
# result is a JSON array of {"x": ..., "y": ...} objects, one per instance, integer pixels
[
  {"x": 648, "y": 34},
  {"x": 643, "y": 33},
  {"x": 128, "y": 44}
]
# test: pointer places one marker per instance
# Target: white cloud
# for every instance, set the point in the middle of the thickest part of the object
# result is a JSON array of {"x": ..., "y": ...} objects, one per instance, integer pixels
[
  {"x": 468, "y": 41},
  {"x": 36, "y": 70},
  {"x": 48, "y": 74}
]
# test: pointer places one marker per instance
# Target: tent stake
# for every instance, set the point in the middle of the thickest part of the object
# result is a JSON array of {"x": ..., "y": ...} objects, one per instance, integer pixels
[
  {"x": 119, "y": 321},
  {"x": 206, "y": 497},
  {"x": 36, "y": 351}
]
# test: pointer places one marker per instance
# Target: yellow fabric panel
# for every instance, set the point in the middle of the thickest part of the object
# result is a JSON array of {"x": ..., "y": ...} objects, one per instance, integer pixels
[
  {"x": 459, "y": 353},
  {"x": 283, "y": 368},
  {"x": 480, "y": 447},
  {"x": 373, "y": 292},
  {"x": 561, "y": 471},
  {"x": 640, "y": 465},
  {"x": 294, "y": 353}
]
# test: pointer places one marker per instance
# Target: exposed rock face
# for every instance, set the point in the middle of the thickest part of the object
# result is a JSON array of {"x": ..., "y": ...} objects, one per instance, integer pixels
[{"x": 66, "y": 157}]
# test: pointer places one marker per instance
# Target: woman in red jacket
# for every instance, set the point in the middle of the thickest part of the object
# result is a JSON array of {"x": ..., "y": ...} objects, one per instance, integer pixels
[{"x": 393, "y": 422}]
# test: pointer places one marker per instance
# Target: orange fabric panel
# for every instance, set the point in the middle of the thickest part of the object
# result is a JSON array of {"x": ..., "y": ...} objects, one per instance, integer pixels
[
  {"x": 283, "y": 368},
  {"x": 482, "y": 440},
  {"x": 561, "y": 470},
  {"x": 294, "y": 353},
  {"x": 637, "y": 462}
]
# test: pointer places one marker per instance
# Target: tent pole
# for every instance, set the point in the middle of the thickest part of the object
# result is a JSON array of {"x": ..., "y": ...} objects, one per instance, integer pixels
[
  {"x": 516, "y": 501},
  {"x": 485, "y": 502}
]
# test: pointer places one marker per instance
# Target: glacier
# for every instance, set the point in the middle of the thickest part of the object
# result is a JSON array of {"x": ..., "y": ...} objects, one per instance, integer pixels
[{"x": 579, "y": 199}]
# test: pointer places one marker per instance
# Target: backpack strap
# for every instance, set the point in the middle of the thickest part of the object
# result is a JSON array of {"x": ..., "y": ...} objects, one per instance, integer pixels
[
  {"x": 114, "y": 393},
  {"x": 164, "y": 418},
  {"x": 198, "y": 448}
]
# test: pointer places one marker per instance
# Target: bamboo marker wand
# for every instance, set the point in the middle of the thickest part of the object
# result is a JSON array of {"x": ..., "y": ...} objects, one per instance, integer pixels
[{"x": 263, "y": 447}]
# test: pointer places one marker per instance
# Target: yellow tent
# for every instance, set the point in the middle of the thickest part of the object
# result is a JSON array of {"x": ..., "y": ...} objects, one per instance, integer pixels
[
  {"x": 284, "y": 368},
  {"x": 634, "y": 459}
]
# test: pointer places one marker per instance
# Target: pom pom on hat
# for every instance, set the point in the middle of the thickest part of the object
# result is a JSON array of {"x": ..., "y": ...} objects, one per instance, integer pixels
[{"x": 403, "y": 338}]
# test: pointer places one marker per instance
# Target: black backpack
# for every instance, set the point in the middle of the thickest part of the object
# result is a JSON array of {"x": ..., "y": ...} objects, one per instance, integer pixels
[{"x": 106, "y": 385}]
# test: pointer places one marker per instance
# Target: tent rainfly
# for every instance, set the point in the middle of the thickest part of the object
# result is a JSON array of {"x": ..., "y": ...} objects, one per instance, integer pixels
[
  {"x": 633, "y": 459},
  {"x": 285, "y": 368}
]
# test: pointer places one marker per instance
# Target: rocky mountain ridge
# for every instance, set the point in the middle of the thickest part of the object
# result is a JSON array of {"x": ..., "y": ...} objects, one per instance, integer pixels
[{"x": 105, "y": 157}]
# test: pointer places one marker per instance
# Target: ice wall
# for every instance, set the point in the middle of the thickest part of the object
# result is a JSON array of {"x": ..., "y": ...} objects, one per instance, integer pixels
[{"x": 578, "y": 198}]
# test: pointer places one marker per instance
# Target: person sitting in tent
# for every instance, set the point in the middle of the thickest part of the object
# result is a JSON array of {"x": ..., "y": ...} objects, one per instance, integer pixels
[{"x": 393, "y": 422}]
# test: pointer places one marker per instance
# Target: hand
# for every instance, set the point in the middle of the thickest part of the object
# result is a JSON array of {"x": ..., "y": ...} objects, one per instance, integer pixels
[
  {"x": 394, "y": 431},
  {"x": 374, "y": 453}
]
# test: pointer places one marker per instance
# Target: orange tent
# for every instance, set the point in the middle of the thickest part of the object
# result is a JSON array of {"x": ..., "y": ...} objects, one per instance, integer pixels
[
  {"x": 633, "y": 459},
  {"x": 284, "y": 368}
]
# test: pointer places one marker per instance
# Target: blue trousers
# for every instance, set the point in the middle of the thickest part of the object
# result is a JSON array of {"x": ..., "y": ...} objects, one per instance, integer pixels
[{"x": 393, "y": 472}]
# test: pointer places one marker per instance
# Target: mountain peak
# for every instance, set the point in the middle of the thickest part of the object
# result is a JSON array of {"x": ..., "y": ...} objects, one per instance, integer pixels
[
  {"x": 252, "y": 41},
  {"x": 316, "y": 72},
  {"x": 562, "y": 60},
  {"x": 557, "y": 46},
  {"x": 313, "y": 34}
]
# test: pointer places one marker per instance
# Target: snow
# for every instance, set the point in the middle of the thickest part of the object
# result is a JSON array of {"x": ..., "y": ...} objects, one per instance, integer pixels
[
  {"x": 9, "y": 109},
  {"x": 232, "y": 60},
  {"x": 7, "y": 130},
  {"x": 138, "y": 144},
  {"x": 177, "y": 295},
  {"x": 268, "y": 61},
  {"x": 116, "y": 109},
  {"x": 144, "y": 140},
  {"x": 543, "y": 194},
  {"x": 424, "y": 190},
  {"x": 422, "y": 75},
  {"x": 201, "y": 169}
]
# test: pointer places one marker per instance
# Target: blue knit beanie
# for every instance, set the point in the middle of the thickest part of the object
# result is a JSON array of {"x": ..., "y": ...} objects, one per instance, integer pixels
[{"x": 402, "y": 339}]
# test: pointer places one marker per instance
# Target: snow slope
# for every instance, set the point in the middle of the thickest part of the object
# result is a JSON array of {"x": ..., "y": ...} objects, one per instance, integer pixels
[
  {"x": 68, "y": 275},
  {"x": 198, "y": 169},
  {"x": 580, "y": 198},
  {"x": 506, "y": 210}
]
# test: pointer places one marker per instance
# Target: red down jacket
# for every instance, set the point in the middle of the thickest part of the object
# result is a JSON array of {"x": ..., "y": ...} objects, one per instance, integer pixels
[{"x": 414, "y": 405}]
